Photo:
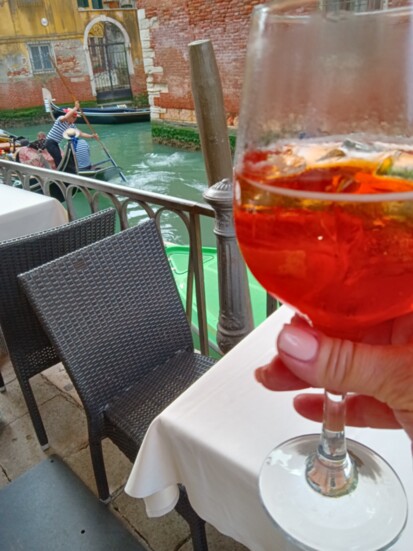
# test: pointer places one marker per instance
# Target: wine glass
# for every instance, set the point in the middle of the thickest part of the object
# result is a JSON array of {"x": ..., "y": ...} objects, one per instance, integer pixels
[{"x": 323, "y": 207}]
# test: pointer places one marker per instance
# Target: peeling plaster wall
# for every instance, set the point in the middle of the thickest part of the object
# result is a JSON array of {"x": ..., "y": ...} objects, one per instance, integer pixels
[
  {"x": 64, "y": 31},
  {"x": 13, "y": 66},
  {"x": 70, "y": 58}
]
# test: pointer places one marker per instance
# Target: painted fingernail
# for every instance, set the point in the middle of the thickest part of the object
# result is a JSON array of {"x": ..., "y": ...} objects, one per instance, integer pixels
[{"x": 297, "y": 343}]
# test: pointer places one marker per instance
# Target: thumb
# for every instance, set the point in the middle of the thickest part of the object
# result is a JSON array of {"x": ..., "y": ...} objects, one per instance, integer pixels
[{"x": 384, "y": 372}]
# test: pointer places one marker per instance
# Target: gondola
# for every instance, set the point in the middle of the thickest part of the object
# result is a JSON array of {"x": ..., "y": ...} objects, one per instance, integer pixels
[
  {"x": 106, "y": 115},
  {"x": 105, "y": 170}
]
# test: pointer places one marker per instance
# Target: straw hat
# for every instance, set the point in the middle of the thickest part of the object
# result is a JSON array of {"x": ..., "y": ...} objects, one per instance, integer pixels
[{"x": 71, "y": 133}]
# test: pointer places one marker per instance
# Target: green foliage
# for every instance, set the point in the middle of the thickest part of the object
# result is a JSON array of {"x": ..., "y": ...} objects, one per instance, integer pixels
[
  {"x": 141, "y": 100},
  {"x": 186, "y": 137},
  {"x": 232, "y": 142},
  {"x": 181, "y": 136},
  {"x": 21, "y": 114}
]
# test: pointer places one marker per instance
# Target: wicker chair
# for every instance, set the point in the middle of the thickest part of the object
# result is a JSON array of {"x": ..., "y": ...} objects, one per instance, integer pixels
[
  {"x": 113, "y": 312},
  {"x": 3, "y": 354},
  {"x": 29, "y": 347}
]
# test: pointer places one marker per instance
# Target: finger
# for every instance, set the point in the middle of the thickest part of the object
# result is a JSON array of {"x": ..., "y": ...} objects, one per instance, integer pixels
[
  {"x": 395, "y": 331},
  {"x": 361, "y": 411},
  {"x": 382, "y": 371},
  {"x": 275, "y": 376}
]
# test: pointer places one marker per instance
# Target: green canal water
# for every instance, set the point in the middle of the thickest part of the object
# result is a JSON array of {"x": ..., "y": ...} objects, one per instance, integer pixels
[{"x": 149, "y": 167}]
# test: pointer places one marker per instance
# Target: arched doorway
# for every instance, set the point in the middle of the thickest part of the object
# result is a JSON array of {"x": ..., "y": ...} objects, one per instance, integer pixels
[{"x": 109, "y": 62}]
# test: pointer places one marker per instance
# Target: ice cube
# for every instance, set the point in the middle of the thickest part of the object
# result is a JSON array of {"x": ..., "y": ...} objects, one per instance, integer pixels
[
  {"x": 312, "y": 152},
  {"x": 288, "y": 162},
  {"x": 335, "y": 153},
  {"x": 362, "y": 147}
]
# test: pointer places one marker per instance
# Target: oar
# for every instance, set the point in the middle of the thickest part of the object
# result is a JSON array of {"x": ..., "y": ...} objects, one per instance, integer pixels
[{"x": 68, "y": 88}]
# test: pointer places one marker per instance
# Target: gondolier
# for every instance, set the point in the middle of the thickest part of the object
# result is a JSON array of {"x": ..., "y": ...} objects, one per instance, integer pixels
[
  {"x": 80, "y": 147},
  {"x": 55, "y": 135}
]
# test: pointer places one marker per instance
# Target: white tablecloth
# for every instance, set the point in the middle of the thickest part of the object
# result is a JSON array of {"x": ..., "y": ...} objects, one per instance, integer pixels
[
  {"x": 23, "y": 212},
  {"x": 214, "y": 438}
]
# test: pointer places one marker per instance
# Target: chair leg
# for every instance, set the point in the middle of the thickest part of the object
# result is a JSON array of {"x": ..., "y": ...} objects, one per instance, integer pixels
[
  {"x": 3, "y": 356},
  {"x": 98, "y": 463},
  {"x": 196, "y": 523},
  {"x": 34, "y": 414}
]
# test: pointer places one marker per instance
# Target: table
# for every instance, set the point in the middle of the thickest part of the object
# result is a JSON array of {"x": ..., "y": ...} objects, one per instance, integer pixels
[
  {"x": 214, "y": 437},
  {"x": 23, "y": 212}
]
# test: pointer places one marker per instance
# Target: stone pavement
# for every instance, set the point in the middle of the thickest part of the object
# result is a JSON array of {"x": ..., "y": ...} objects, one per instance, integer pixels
[{"x": 65, "y": 424}]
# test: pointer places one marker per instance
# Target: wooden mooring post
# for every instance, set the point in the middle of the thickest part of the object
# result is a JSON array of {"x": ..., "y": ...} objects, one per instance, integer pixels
[{"x": 235, "y": 312}]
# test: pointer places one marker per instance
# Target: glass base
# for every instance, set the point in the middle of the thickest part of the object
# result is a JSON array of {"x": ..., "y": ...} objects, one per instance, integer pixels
[{"x": 369, "y": 518}]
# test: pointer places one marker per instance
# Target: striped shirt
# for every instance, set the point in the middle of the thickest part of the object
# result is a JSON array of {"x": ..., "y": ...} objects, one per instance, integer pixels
[
  {"x": 82, "y": 154},
  {"x": 56, "y": 132}
]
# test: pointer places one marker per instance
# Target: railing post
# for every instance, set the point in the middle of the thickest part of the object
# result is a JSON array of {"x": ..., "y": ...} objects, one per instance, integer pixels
[
  {"x": 235, "y": 312},
  {"x": 235, "y": 315},
  {"x": 210, "y": 111}
]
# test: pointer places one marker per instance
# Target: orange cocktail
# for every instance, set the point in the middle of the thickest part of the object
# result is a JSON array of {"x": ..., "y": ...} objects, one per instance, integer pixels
[{"x": 345, "y": 265}]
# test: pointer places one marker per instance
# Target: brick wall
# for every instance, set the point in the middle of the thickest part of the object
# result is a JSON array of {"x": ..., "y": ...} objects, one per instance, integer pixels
[{"x": 166, "y": 30}]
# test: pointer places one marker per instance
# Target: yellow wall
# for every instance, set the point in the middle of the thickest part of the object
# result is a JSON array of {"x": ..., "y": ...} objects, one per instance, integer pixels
[
  {"x": 64, "y": 20},
  {"x": 23, "y": 21},
  {"x": 62, "y": 24}
]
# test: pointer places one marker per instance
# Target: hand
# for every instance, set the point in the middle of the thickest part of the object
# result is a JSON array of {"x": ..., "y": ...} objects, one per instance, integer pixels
[
  {"x": 77, "y": 105},
  {"x": 95, "y": 136},
  {"x": 379, "y": 371}
]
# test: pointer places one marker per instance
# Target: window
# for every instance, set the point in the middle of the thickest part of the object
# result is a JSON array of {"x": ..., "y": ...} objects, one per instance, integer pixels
[
  {"x": 40, "y": 57},
  {"x": 96, "y": 4}
]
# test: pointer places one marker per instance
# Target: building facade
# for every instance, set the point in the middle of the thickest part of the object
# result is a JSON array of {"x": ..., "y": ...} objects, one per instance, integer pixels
[
  {"x": 94, "y": 44},
  {"x": 166, "y": 30}
]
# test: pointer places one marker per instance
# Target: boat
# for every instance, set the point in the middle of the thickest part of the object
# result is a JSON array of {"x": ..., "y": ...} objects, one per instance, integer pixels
[
  {"x": 10, "y": 143},
  {"x": 105, "y": 170},
  {"x": 105, "y": 115},
  {"x": 35, "y": 154},
  {"x": 178, "y": 256}
]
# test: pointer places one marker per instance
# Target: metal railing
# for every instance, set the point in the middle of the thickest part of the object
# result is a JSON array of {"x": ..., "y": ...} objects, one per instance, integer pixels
[{"x": 122, "y": 198}]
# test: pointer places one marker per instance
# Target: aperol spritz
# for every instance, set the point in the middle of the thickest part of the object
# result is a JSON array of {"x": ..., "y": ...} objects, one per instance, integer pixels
[{"x": 323, "y": 206}]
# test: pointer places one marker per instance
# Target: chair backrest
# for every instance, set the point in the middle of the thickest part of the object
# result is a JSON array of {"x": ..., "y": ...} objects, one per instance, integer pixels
[
  {"x": 28, "y": 345},
  {"x": 112, "y": 310}
]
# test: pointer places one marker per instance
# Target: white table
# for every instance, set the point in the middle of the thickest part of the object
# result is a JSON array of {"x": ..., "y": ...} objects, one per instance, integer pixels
[
  {"x": 23, "y": 212},
  {"x": 214, "y": 437}
]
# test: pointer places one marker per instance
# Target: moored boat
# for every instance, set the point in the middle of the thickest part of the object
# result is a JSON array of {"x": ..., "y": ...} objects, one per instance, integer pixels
[{"x": 105, "y": 115}]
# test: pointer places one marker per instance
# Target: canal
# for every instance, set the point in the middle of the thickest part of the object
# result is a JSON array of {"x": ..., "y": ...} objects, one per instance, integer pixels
[{"x": 149, "y": 167}]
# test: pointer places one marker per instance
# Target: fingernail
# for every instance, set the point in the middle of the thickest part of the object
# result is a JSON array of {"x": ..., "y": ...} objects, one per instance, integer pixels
[{"x": 297, "y": 343}]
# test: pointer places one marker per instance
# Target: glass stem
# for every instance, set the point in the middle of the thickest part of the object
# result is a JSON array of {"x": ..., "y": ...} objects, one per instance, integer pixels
[{"x": 331, "y": 470}]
